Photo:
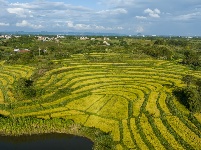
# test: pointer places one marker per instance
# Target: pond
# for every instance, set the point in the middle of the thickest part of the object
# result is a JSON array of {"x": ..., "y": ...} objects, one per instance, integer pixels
[{"x": 45, "y": 141}]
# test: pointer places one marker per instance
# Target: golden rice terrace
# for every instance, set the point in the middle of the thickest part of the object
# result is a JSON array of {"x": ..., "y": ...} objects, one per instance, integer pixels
[{"x": 132, "y": 100}]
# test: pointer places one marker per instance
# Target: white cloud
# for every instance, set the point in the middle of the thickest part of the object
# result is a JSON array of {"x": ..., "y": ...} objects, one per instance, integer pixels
[
  {"x": 120, "y": 28},
  {"x": 4, "y": 24},
  {"x": 81, "y": 26},
  {"x": 53, "y": 15},
  {"x": 3, "y": 1},
  {"x": 113, "y": 11},
  {"x": 117, "y": 3},
  {"x": 140, "y": 17},
  {"x": 139, "y": 29},
  {"x": 189, "y": 16},
  {"x": 21, "y": 5},
  {"x": 153, "y": 13},
  {"x": 46, "y": 10},
  {"x": 99, "y": 27},
  {"x": 25, "y": 23},
  {"x": 47, "y": 5},
  {"x": 117, "y": 16},
  {"x": 70, "y": 24},
  {"x": 18, "y": 11},
  {"x": 157, "y": 11},
  {"x": 78, "y": 26}
]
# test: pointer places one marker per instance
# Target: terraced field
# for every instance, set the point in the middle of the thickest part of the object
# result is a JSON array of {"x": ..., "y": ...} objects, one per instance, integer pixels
[{"x": 132, "y": 100}]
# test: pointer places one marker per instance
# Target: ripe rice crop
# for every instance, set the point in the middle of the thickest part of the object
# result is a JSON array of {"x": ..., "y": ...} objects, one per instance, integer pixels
[
  {"x": 1, "y": 97},
  {"x": 130, "y": 100}
]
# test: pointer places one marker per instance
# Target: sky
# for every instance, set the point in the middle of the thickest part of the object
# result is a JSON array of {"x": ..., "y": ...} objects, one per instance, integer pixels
[{"x": 148, "y": 17}]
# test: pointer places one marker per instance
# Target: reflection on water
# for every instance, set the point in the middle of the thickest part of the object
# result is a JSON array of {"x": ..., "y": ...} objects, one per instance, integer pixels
[{"x": 45, "y": 142}]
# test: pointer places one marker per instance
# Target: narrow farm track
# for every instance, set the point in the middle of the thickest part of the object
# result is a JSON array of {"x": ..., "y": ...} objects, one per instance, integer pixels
[{"x": 131, "y": 100}]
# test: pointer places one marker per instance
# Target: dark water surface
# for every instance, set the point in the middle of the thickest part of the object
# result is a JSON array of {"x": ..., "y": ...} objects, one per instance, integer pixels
[{"x": 45, "y": 142}]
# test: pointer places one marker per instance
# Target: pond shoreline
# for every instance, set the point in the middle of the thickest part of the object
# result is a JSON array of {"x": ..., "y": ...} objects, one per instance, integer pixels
[
  {"x": 51, "y": 141},
  {"x": 32, "y": 137},
  {"x": 27, "y": 126}
]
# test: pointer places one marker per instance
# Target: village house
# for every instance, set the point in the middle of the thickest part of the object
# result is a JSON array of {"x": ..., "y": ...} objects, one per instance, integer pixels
[
  {"x": 5, "y": 36},
  {"x": 84, "y": 38},
  {"x": 106, "y": 43},
  {"x": 21, "y": 50}
]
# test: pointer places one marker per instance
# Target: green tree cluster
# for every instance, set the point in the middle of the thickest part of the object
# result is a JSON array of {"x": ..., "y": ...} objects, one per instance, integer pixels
[
  {"x": 158, "y": 52},
  {"x": 157, "y": 47},
  {"x": 24, "y": 88},
  {"x": 190, "y": 96},
  {"x": 20, "y": 58},
  {"x": 191, "y": 58}
]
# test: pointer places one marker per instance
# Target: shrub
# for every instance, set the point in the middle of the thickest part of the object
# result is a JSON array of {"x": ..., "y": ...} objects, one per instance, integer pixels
[
  {"x": 189, "y": 97},
  {"x": 24, "y": 88}
]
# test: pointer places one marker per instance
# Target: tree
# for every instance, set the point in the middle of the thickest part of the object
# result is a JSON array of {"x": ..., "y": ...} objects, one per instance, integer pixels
[
  {"x": 165, "y": 52},
  {"x": 1, "y": 55},
  {"x": 159, "y": 42},
  {"x": 193, "y": 99},
  {"x": 191, "y": 58},
  {"x": 176, "y": 42},
  {"x": 189, "y": 97},
  {"x": 24, "y": 88},
  {"x": 188, "y": 79},
  {"x": 198, "y": 84}
]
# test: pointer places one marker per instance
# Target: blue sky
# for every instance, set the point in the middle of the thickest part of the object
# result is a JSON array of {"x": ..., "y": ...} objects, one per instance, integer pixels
[{"x": 167, "y": 17}]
